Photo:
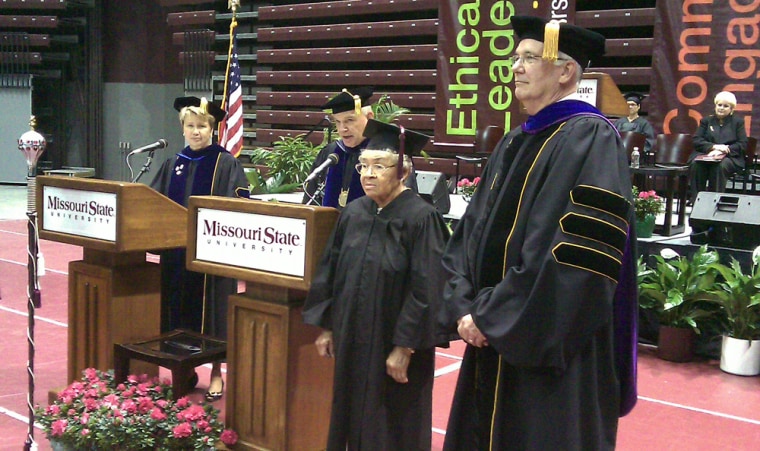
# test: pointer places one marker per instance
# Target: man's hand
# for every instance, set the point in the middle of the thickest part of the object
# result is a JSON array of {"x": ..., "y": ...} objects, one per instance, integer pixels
[
  {"x": 470, "y": 333},
  {"x": 324, "y": 343},
  {"x": 397, "y": 363}
]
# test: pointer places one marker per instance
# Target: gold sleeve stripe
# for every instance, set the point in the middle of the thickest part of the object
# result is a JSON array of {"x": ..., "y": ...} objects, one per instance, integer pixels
[
  {"x": 602, "y": 200},
  {"x": 594, "y": 229},
  {"x": 587, "y": 259}
]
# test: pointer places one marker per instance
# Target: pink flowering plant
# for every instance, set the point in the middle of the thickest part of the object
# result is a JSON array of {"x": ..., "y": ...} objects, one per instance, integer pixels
[
  {"x": 647, "y": 203},
  {"x": 467, "y": 187},
  {"x": 138, "y": 414}
]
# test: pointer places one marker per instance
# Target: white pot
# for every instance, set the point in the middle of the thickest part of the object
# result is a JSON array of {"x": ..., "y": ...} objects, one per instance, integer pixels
[{"x": 740, "y": 357}]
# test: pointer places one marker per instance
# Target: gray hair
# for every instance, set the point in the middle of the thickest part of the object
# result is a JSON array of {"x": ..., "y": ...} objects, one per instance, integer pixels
[{"x": 562, "y": 58}]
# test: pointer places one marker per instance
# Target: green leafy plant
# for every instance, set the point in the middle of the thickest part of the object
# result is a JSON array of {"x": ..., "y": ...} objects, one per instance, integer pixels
[
  {"x": 647, "y": 203},
  {"x": 738, "y": 295},
  {"x": 258, "y": 184},
  {"x": 385, "y": 110},
  {"x": 97, "y": 413},
  {"x": 289, "y": 158},
  {"x": 680, "y": 290}
]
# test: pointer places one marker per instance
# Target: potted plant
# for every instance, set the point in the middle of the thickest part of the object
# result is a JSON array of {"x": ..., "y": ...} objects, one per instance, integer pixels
[
  {"x": 738, "y": 294},
  {"x": 647, "y": 205},
  {"x": 678, "y": 289},
  {"x": 467, "y": 187},
  {"x": 97, "y": 413},
  {"x": 288, "y": 162}
]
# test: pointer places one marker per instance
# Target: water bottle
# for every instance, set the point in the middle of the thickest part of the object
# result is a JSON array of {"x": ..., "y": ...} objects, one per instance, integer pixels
[{"x": 635, "y": 155}]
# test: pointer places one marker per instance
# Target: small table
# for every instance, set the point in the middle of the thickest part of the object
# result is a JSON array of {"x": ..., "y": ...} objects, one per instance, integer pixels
[
  {"x": 671, "y": 173},
  {"x": 179, "y": 350}
]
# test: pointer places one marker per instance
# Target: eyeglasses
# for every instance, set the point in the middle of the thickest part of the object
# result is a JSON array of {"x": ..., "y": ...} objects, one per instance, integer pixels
[
  {"x": 376, "y": 168},
  {"x": 527, "y": 60}
]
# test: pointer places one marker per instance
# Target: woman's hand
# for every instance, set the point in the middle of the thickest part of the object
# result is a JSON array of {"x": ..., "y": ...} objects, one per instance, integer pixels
[
  {"x": 718, "y": 150},
  {"x": 324, "y": 343},
  {"x": 397, "y": 363},
  {"x": 470, "y": 333}
]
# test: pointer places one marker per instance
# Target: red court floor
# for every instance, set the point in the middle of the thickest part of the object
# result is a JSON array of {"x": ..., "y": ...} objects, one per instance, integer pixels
[{"x": 682, "y": 406}]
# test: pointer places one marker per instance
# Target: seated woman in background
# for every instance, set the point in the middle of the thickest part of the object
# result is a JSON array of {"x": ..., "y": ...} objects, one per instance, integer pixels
[
  {"x": 719, "y": 146},
  {"x": 376, "y": 295}
]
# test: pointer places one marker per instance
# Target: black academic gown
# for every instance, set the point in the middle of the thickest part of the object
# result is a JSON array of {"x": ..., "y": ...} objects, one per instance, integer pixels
[
  {"x": 212, "y": 171},
  {"x": 378, "y": 286},
  {"x": 340, "y": 178},
  {"x": 536, "y": 261},
  {"x": 639, "y": 125}
]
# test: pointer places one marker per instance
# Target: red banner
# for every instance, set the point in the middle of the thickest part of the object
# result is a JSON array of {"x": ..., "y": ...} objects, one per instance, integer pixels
[
  {"x": 702, "y": 47},
  {"x": 475, "y": 86}
]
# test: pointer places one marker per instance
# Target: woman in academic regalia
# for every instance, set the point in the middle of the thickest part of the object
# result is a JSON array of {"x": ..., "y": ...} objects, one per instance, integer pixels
[
  {"x": 376, "y": 295},
  {"x": 191, "y": 300}
]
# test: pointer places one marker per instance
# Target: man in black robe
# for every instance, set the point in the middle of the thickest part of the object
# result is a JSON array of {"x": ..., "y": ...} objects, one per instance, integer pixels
[
  {"x": 349, "y": 112},
  {"x": 635, "y": 123},
  {"x": 377, "y": 294},
  {"x": 542, "y": 267}
]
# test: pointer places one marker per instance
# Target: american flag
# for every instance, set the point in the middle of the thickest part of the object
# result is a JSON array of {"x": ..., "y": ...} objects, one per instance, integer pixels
[{"x": 231, "y": 127}]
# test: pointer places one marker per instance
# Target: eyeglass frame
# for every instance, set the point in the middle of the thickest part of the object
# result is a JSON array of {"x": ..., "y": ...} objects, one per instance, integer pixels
[
  {"x": 359, "y": 166},
  {"x": 528, "y": 59}
]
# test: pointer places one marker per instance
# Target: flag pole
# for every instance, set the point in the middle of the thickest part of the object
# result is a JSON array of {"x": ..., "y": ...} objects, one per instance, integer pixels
[{"x": 233, "y": 5}]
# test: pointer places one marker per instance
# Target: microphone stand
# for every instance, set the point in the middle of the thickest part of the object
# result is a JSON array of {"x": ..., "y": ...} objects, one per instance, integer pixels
[
  {"x": 319, "y": 192},
  {"x": 145, "y": 168}
]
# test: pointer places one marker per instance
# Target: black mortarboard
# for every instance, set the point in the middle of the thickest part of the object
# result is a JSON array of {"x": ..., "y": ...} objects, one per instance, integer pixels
[
  {"x": 348, "y": 100},
  {"x": 384, "y": 136},
  {"x": 202, "y": 103},
  {"x": 581, "y": 44},
  {"x": 633, "y": 97}
]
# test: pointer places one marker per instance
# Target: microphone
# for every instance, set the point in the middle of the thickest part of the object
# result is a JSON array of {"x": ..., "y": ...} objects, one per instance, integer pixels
[
  {"x": 331, "y": 160},
  {"x": 160, "y": 144}
]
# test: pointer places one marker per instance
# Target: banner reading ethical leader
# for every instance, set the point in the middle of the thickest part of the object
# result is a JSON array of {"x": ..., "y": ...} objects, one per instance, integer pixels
[
  {"x": 702, "y": 47},
  {"x": 475, "y": 86}
]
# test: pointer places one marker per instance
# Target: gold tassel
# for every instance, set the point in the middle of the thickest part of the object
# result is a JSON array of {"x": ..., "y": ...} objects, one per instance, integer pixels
[
  {"x": 204, "y": 105},
  {"x": 551, "y": 41},
  {"x": 357, "y": 102}
]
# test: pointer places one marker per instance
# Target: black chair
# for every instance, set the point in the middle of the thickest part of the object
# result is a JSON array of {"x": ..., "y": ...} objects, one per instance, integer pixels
[
  {"x": 635, "y": 139},
  {"x": 485, "y": 142},
  {"x": 744, "y": 177}
]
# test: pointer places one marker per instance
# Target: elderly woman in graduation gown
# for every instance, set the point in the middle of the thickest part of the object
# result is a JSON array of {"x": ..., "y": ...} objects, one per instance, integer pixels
[
  {"x": 193, "y": 300},
  {"x": 376, "y": 295}
]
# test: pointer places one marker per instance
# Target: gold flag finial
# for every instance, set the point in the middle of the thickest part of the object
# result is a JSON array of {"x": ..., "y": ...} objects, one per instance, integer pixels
[{"x": 233, "y": 5}]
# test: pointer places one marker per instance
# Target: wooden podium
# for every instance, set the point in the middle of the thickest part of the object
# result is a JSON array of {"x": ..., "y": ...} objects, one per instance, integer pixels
[
  {"x": 279, "y": 391},
  {"x": 114, "y": 293},
  {"x": 604, "y": 94}
]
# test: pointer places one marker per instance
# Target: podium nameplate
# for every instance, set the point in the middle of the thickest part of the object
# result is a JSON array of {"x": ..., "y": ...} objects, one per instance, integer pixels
[
  {"x": 90, "y": 214},
  {"x": 270, "y": 243}
]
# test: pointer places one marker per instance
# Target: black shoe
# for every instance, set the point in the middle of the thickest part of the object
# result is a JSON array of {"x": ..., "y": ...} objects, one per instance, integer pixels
[{"x": 212, "y": 396}]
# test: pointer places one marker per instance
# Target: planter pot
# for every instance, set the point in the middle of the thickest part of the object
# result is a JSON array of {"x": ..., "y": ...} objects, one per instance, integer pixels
[
  {"x": 676, "y": 344},
  {"x": 741, "y": 357},
  {"x": 645, "y": 227}
]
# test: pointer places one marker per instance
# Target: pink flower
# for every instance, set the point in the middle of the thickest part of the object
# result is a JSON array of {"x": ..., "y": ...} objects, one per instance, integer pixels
[
  {"x": 182, "y": 430},
  {"x": 157, "y": 414},
  {"x": 229, "y": 437},
  {"x": 183, "y": 402},
  {"x": 192, "y": 413},
  {"x": 58, "y": 427},
  {"x": 54, "y": 409}
]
